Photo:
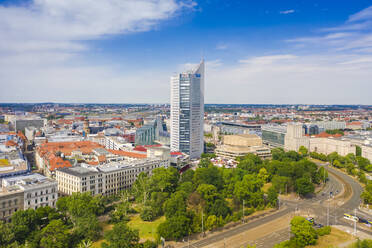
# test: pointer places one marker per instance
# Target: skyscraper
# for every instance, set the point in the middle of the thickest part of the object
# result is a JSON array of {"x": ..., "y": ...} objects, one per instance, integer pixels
[{"x": 187, "y": 111}]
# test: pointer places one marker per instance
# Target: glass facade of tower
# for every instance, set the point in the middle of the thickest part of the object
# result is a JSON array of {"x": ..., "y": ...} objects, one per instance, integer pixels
[{"x": 187, "y": 112}]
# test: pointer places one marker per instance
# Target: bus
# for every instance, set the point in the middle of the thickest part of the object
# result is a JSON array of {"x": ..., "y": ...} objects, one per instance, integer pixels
[{"x": 351, "y": 217}]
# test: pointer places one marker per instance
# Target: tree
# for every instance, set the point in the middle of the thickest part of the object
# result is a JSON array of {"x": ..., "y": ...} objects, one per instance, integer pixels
[
  {"x": 120, "y": 212},
  {"x": 211, "y": 222},
  {"x": 157, "y": 202},
  {"x": 23, "y": 223},
  {"x": 205, "y": 163},
  {"x": 304, "y": 233},
  {"x": 187, "y": 187},
  {"x": 303, "y": 151},
  {"x": 272, "y": 196},
  {"x": 358, "y": 151},
  {"x": 87, "y": 227},
  {"x": 322, "y": 174},
  {"x": 6, "y": 234},
  {"x": 332, "y": 157},
  {"x": 337, "y": 164},
  {"x": 219, "y": 208},
  {"x": 304, "y": 186},
  {"x": 210, "y": 175},
  {"x": 263, "y": 175},
  {"x": 141, "y": 188},
  {"x": 147, "y": 214},
  {"x": 82, "y": 204},
  {"x": 175, "y": 227},
  {"x": 175, "y": 204},
  {"x": 54, "y": 235},
  {"x": 121, "y": 236},
  {"x": 187, "y": 176},
  {"x": 164, "y": 180},
  {"x": 362, "y": 162},
  {"x": 207, "y": 191}
]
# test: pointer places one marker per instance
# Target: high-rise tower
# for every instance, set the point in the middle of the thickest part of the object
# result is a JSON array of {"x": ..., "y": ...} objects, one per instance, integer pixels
[{"x": 187, "y": 112}]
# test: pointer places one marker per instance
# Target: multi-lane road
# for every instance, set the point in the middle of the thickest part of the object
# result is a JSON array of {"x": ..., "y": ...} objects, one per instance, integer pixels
[{"x": 340, "y": 195}]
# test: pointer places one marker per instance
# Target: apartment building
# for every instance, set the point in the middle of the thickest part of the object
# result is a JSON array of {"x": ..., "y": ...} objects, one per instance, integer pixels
[
  {"x": 107, "y": 179},
  {"x": 26, "y": 191},
  {"x": 11, "y": 200},
  {"x": 39, "y": 191}
]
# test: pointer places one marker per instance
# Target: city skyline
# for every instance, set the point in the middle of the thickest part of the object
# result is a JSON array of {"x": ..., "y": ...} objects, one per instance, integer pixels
[{"x": 267, "y": 53}]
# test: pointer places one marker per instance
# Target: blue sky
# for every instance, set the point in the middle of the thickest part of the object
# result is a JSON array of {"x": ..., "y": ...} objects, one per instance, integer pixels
[{"x": 263, "y": 51}]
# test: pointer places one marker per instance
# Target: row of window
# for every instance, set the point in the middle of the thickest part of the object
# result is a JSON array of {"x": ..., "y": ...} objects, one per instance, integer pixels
[
  {"x": 53, "y": 190},
  {"x": 10, "y": 203},
  {"x": 41, "y": 199}
]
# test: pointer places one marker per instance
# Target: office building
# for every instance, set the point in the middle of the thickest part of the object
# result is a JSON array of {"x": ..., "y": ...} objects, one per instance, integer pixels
[
  {"x": 187, "y": 112},
  {"x": 273, "y": 136}
]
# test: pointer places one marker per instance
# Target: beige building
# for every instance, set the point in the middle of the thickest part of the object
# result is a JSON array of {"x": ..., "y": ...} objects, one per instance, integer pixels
[
  {"x": 367, "y": 152},
  {"x": 240, "y": 145},
  {"x": 11, "y": 200},
  {"x": 233, "y": 152},
  {"x": 24, "y": 192},
  {"x": 329, "y": 145},
  {"x": 107, "y": 179},
  {"x": 242, "y": 140},
  {"x": 295, "y": 138}
]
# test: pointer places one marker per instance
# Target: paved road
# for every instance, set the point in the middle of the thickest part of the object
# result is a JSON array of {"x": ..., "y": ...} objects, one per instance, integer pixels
[{"x": 338, "y": 182}]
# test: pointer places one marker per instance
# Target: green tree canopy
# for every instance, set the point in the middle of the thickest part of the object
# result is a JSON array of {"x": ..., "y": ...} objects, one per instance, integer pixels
[
  {"x": 54, "y": 235},
  {"x": 121, "y": 236}
]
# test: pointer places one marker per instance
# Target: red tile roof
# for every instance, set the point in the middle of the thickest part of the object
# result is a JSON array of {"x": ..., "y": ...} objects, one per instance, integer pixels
[{"x": 127, "y": 154}]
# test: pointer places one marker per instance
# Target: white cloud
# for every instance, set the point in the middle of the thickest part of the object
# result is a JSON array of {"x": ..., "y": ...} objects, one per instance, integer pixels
[
  {"x": 365, "y": 14},
  {"x": 63, "y": 22},
  {"x": 265, "y": 60},
  {"x": 221, "y": 46},
  {"x": 42, "y": 42},
  {"x": 312, "y": 79},
  {"x": 355, "y": 35},
  {"x": 286, "y": 12}
]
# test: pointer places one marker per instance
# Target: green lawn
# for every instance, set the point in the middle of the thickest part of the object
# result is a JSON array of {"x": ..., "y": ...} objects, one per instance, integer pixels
[
  {"x": 334, "y": 239},
  {"x": 147, "y": 230},
  {"x": 105, "y": 227}
]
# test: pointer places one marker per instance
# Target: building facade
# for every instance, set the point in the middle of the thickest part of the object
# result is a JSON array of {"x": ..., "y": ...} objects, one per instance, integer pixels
[
  {"x": 273, "y": 136},
  {"x": 107, "y": 179},
  {"x": 26, "y": 191},
  {"x": 187, "y": 112}
]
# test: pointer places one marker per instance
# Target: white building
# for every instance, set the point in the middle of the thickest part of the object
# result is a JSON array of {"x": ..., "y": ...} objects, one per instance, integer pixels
[
  {"x": 38, "y": 190},
  {"x": 187, "y": 112},
  {"x": 294, "y": 138},
  {"x": 105, "y": 179},
  {"x": 330, "y": 125}
]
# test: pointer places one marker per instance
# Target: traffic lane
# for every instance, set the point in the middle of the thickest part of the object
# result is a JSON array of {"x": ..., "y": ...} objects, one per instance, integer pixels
[{"x": 241, "y": 228}]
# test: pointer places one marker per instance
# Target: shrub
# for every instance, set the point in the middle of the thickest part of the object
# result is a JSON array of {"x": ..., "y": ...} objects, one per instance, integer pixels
[
  {"x": 324, "y": 230},
  {"x": 147, "y": 214}
]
